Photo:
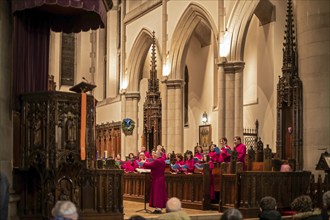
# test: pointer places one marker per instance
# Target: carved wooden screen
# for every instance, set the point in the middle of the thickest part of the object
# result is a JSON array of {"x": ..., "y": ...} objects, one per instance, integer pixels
[
  {"x": 152, "y": 108},
  {"x": 251, "y": 135},
  {"x": 289, "y": 101},
  {"x": 108, "y": 138}
]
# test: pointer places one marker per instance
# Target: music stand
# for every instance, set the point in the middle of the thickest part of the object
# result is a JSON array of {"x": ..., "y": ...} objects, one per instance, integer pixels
[
  {"x": 82, "y": 87},
  {"x": 145, "y": 173}
]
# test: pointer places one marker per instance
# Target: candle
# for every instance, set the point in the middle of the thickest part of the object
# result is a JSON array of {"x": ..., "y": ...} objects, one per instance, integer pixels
[{"x": 105, "y": 154}]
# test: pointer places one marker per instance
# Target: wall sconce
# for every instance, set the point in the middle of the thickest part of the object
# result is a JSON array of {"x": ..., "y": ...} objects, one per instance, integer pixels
[{"x": 204, "y": 118}]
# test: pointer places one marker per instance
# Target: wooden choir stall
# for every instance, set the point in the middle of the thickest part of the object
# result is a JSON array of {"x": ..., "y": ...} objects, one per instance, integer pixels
[{"x": 53, "y": 163}]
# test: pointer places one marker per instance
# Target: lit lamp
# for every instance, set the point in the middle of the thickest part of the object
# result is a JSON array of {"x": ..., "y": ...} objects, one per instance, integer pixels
[{"x": 204, "y": 118}]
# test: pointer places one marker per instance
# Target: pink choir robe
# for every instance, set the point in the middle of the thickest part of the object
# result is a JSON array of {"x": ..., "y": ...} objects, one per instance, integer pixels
[
  {"x": 214, "y": 156},
  {"x": 241, "y": 151},
  {"x": 179, "y": 163},
  {"x": 199, "y": 156},
  {"x": 224, "y": 156},
  {"x": 147, "y": 154},
  {"x": 191, "y": 166},
  {"x": 158, "y": 194},
  {"x": 129, "y": 166}
]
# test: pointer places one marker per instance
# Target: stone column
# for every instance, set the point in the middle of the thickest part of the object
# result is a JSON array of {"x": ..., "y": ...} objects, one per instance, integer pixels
[
  {"x": 221, "y": 100},
  {"x": 238, "y": 126},
  {"x": 313, "y": 28},
  {"x": 131, "y": 111},
  {"x": 175, "y": 116},
  {"x": 233, "y": 99}
]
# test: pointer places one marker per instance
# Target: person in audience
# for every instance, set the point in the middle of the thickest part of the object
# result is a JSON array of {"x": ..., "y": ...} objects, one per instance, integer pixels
[
  {"x": 146, "y": 153},
  {"x": 4, "y": 196},
  {"x": 199, "y": 152},
  {"x": 325, "y": 213},
  {"x": 303, "y": 205},
  {"x": 158, "y": 194},
  {"x": 137, "y": 217},
  {"x": 241, "y": 150},
  {"x": 65, "y": 210},
  {"x": 214, "y": 156},
  {"x": 225, "y": 151},
  {"x": 268, "y": 209},
  {"x": 232, "y": 214},
  {"x": 206, "y": 159},
  {"x": 174, "y": 211},
  {"x": 189, "y": 162}
]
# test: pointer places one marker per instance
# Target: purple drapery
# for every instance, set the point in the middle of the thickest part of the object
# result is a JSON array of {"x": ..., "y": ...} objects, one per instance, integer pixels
[
  {"x": 33, "y": 20},
  {"x": 30, "y": 55}
]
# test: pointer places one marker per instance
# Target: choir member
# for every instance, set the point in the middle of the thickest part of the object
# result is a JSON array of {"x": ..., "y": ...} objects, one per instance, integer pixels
[
  {"x": 206, "y": 159},
  {"x": 130, "y": 165},
  {"x": 146, "y": 153},
  {"x": 189, "y": 162},
  {"x": 158, "y": 194},
  {"x": 214, "y": 156},
  {"x": 176, "y": 168},
  {"x": 199, "y": 153},
  {"x": 241, "y": 150},
  {"x": 225, "y": 151}
]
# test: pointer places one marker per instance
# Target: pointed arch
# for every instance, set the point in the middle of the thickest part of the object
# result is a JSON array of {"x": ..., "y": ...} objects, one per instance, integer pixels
[
  {"x": 239, "y": 22},
  {"x": 137, "y": 58},
  {"x": 193, "y": 16}
]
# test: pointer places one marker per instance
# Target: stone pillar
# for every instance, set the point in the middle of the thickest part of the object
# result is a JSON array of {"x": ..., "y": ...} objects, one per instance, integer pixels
[
  {"x": 175, "y": 116},
  {"x": 221, "y": 100},
  {"x": 131, "y": 111},
  {"x": 238, "y": 126},
  {"x": 313, "y": 28},
  {"x": 233, "y": 99}
]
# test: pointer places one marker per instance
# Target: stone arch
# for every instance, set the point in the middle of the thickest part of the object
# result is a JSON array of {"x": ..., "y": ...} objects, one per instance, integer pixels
[
  {"x": 239, "y": 22},
  {"x": 194, "y": 16},
  {"x": 137, "y": 58}
]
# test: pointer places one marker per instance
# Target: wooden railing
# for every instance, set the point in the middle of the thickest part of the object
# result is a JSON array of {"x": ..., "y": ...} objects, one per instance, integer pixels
[{"x": 192, "y": 189}]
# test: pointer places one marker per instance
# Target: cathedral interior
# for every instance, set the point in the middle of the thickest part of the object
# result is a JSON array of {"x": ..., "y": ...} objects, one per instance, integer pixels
[{"x": 83, "y": 81}]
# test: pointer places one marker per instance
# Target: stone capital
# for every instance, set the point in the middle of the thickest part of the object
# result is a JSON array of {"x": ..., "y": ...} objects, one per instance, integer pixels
[
  {"x": 233, "y": 66},
  {"x": 132, "y": 95},
  {"x": 174, "y": 83}
]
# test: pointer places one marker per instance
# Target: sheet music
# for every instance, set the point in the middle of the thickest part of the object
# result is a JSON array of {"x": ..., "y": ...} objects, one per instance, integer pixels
[{"x": 141, "y": 170}]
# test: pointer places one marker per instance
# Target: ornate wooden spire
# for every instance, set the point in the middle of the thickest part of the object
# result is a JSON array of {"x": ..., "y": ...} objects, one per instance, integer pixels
[
  {"x": 152, "y": 108},
  {"x": 289, "y": 99},
  {"x": 153, "y": 82}
]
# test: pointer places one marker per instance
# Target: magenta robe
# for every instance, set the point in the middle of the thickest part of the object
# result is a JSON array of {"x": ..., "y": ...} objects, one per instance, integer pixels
[
  {"x": 191, "y": 166},
  {"x": 224, "y": 156},
  {"x": 241, "y": 151},
  {"x": 214, "y": 156},
  {"x": 158, "y": 194},
  {"x": 199, "y": 156}
]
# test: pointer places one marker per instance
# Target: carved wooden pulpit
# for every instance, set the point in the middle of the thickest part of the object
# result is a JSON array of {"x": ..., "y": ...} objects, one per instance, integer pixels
[{"x": 51, "y": 167}]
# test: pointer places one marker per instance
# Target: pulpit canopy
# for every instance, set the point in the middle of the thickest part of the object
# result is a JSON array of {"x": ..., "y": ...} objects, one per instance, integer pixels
[{"x": 67, "y": 15}]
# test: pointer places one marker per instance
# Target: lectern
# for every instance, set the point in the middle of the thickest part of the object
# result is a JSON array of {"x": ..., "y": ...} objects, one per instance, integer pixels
[{"x": 82, "y": 87}]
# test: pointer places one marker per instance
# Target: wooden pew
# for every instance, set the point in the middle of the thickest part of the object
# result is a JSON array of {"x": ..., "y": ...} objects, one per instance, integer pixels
[{"x": 245, "y": 189}]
